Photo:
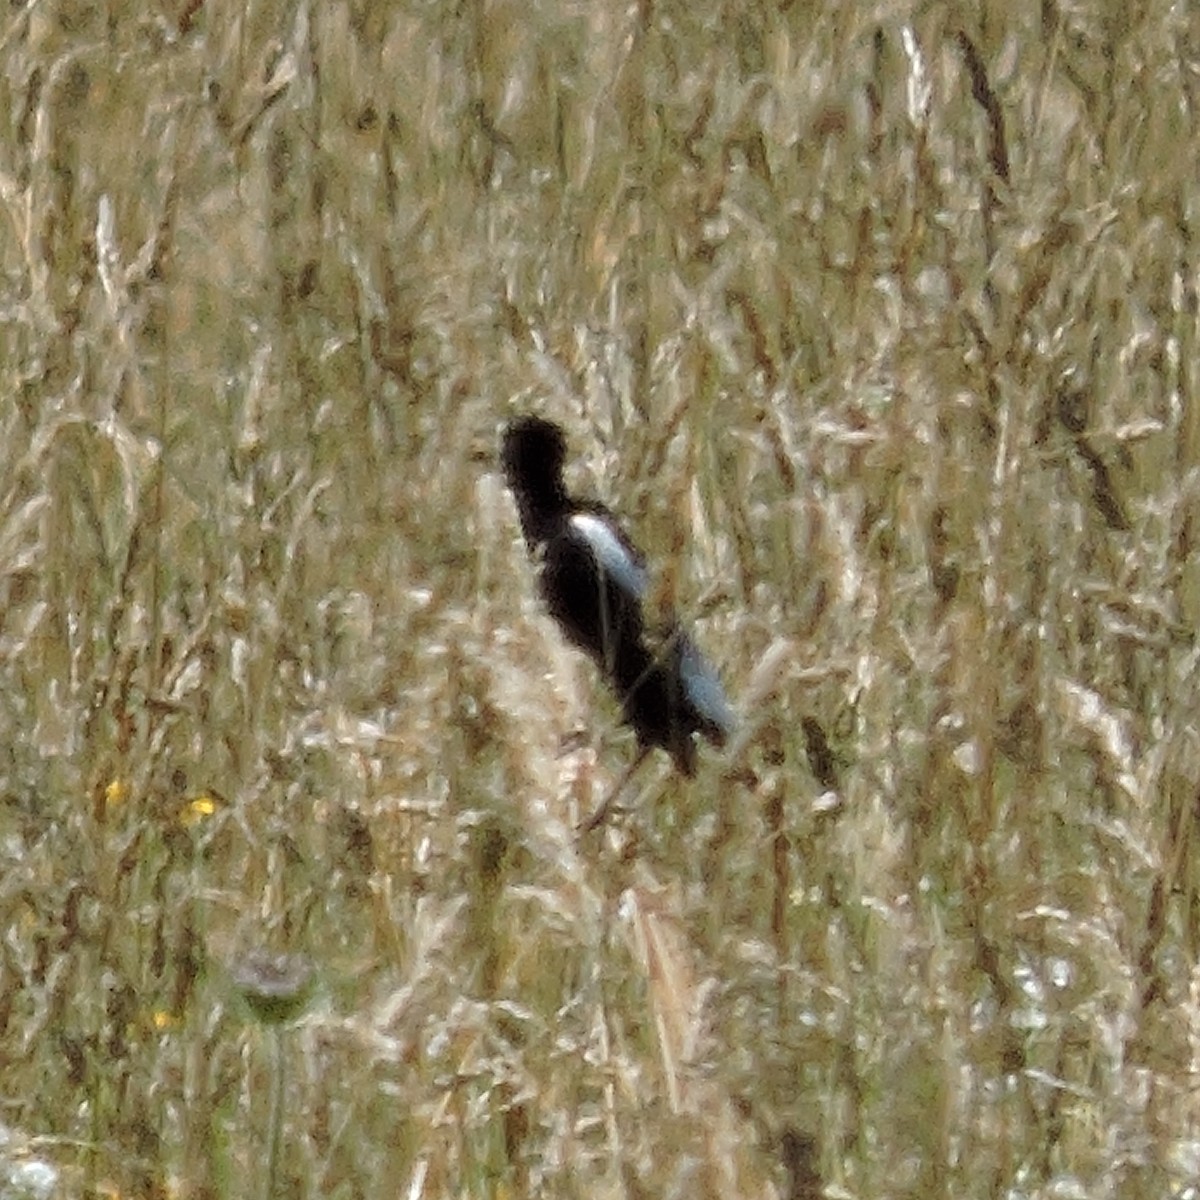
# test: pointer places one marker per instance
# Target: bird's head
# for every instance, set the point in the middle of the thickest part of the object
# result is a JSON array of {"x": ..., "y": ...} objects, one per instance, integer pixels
[{"x": 532, "y": 453}]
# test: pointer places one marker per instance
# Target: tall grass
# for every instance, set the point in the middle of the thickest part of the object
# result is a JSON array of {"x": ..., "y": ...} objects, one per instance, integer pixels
[{"x": 879, "y": 327}]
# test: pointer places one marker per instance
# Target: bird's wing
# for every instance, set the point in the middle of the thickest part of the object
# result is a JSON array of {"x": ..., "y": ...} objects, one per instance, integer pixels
[{"x": 614, "y": 555}]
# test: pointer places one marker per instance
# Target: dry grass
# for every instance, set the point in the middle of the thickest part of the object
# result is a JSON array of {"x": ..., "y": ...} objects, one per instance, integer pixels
[{"x": 883, "y": 332}]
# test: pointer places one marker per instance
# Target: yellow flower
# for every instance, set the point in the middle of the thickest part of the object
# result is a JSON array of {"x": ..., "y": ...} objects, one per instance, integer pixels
[{"x": 199, "y": 808}]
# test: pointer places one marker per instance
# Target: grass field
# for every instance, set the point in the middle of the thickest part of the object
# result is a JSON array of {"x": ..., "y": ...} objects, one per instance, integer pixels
[{"x": 880, "y": 328}]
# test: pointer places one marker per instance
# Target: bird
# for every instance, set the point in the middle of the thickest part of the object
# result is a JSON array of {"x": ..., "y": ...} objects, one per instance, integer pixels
[{"x": 594, "y": 581}]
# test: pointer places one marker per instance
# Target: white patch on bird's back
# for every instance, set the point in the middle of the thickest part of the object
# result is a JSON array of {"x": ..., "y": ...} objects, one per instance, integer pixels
[
  {"x": 615, "y": 559},
  {"x": 610, "y": 552},
  {"x": 703, "y": 688}
]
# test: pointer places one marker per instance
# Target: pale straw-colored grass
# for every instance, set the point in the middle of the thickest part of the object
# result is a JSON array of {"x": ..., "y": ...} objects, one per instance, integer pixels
[{"x": 879, "y": 328}]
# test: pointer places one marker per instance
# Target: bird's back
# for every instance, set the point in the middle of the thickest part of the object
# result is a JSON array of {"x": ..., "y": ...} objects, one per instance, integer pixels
[
  {"x": 595, "y": 583},
  {"x": 670, "y": 694},
  {"x": 596, "y": 601}
]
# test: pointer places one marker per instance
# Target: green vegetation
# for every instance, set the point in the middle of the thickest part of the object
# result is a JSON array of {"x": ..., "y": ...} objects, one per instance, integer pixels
[{"x": 881, "y": 332}]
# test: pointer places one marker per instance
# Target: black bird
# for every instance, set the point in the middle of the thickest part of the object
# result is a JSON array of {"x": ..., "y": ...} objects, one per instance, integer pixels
[{"x": 594, "y": 581}]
